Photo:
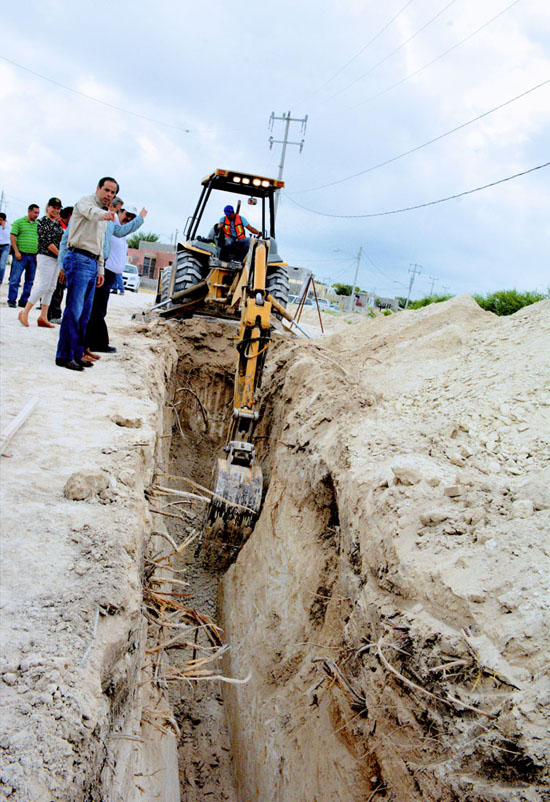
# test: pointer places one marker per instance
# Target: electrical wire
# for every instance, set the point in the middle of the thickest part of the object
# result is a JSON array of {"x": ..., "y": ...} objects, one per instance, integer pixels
[
  {"x": 396, "y": 50},
  {"x": 153, "y": 120},
  {"x": 425, "y": 67},
  {"x": 365, "y": 47},
  {"x": 424, "y": 144},
  {"x": 422, "y": 205},
  {"x": 95, "y": 99}
]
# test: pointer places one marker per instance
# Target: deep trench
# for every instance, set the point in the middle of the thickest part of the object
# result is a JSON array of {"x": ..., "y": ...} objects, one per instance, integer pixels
[{"x": 202, "y": 405}]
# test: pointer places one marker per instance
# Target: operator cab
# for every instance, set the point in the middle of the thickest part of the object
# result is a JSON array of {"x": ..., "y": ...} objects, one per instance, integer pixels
[{"x": 259, "y": 191}]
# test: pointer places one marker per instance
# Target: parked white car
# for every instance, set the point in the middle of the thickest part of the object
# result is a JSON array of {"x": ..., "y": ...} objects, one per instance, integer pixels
[{"x": 130, "y": 278}]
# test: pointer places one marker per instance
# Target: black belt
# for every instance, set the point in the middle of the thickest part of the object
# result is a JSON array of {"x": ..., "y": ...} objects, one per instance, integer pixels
[{"x": 84, "y": 253}]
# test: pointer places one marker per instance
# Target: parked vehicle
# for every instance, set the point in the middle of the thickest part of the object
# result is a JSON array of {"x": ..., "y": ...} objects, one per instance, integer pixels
[{"x": 131, "y": 278}]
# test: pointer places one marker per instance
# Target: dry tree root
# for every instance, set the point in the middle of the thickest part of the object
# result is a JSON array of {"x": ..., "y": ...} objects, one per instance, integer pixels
[{"x": 450, "y": 701}]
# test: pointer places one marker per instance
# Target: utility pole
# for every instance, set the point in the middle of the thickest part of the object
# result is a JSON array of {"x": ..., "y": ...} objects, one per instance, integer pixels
[
  {"x": 352, "y": 296},
  {"x": 445, "y": 289},
  {"x": 287, "y": 119},
  {"x": 433, "y": 279},
  {"x": 2, "y": 201},
  {"x": 413, "y": 270}
]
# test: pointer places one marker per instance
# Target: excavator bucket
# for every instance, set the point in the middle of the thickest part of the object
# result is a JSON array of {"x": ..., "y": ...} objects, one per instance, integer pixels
[{"x": 233, "y": 511}]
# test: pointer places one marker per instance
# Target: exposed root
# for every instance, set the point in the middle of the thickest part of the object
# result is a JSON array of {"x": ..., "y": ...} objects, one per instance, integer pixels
[{"x": 450, "y": 701}]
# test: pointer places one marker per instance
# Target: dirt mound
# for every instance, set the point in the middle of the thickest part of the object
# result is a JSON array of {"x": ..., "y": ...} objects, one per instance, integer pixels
[
  {"x": 393, "y": 592},
  {"x": 389, "y": 606}
]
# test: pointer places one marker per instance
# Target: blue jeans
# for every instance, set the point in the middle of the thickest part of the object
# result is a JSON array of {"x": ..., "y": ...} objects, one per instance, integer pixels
[
  {"x": 239, "y": 247},
  {"x": 118, "y": 286},
  {"x": 27, "y": 263},
  {"x": 4, "y": 253},
  {"x": 80, "y": 278}
]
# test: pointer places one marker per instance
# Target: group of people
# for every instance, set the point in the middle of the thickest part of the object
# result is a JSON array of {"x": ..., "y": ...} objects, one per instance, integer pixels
[{"x": 81, "y": 248}]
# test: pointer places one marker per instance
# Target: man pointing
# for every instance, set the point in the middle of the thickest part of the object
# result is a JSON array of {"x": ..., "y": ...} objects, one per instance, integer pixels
[{"x": 84, "y": 270}]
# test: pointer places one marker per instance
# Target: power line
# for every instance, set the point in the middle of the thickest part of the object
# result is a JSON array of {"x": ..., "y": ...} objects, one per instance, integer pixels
[
  {"x": 396, "y": 50},
  {"x": 153, "y": 120},
  {"x": 423, "y": 205},
  {"x": 430, "y": 203},
  {"x": 369, "y": 43},
  {"x": 95, "y": 99},
  {"x": 425, "y": 67},
  {"x": 424, "y": 144}
]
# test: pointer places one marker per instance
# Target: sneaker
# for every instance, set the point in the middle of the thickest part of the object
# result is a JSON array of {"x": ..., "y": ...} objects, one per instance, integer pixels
[
  {"x": 11, "y": 303},
  {"x": 56, "y": 320}
]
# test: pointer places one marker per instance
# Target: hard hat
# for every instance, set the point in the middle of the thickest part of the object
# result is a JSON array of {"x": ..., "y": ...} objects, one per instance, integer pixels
[{"x": 229, "y": 210}]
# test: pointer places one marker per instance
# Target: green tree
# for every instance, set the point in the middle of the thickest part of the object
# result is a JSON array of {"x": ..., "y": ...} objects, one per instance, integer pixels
[
  {"x": 134, "y": 239},
  {"x": 506, "y": 302},
  {"x": 427, "y": 300},
  {"x": 342, "y": 289}
]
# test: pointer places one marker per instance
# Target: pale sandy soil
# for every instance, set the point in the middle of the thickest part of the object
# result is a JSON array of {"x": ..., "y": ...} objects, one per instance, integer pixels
[
  {"x": 390, "y": 606},
  {"x": 70, "y": 568}
]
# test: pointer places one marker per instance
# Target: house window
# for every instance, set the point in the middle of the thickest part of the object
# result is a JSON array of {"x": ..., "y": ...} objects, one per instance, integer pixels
[{"x": 149, "y": 263}]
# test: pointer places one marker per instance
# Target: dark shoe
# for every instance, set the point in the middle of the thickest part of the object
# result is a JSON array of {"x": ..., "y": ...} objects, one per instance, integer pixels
[
  {"x": 11, "y": 303},
  {"x": 84, "y": 364},
  {"x": 108, "y": 349},
  {"x": 56, "y": 320},
  {"x": 22, "y": 304},
  {"x": 70, "y": 364}
]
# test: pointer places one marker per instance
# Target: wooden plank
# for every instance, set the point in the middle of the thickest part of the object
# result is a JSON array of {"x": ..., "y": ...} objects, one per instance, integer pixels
[{"x": 16, "y": 423}]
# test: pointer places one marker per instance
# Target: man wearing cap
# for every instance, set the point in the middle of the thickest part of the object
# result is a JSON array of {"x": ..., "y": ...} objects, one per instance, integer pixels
[
  {"x": 50, "y": 232},
  {"x": 24, "y": 241},
  {"x": 114, "y": 252},
  {"x": 83, "y": 267},
  {"x": 233, "y": 226}
]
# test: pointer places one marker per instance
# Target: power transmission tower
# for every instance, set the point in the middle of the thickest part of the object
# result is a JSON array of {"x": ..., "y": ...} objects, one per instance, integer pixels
[
  {"x": 352, "y": 296},
  {"x": 287, "y": 119},
  {"x": 433, "y": 279},
  {"x": 413, "y": 270}
]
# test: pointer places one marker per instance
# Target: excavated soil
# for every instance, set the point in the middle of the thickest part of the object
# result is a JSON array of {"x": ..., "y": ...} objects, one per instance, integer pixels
[{"x": 386, "y": 619}]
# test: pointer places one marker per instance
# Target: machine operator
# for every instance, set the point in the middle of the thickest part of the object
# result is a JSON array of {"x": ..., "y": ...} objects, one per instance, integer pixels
[{"x": 233, "y": 226}]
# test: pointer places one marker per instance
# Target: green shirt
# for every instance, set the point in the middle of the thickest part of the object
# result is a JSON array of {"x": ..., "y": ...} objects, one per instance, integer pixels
[{"x": 26, "y": 234}]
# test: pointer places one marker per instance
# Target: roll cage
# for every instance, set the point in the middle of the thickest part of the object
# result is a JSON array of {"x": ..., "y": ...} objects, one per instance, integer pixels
[{"x": 251, "y": 185}]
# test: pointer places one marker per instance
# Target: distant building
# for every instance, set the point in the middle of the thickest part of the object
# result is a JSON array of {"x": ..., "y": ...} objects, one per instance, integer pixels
[
  {"x": 151, "y": 258},
  {"x": 367, "y": 300}
]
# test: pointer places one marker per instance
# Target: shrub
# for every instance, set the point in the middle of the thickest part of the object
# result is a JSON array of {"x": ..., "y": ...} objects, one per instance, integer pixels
[
  {"x": 506, "y": 302},
  {"x": 428, "y": 299}
]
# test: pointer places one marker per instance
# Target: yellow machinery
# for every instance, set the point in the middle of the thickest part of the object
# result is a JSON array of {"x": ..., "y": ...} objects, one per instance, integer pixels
[{"x": 207, "y": 279}]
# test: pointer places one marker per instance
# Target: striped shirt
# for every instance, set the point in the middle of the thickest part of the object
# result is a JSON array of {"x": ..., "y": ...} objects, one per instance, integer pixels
[{"x": 26, "y": 234}]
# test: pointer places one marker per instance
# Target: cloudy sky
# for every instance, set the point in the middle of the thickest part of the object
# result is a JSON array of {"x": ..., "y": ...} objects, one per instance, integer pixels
[{"x": 189, "y": 87}]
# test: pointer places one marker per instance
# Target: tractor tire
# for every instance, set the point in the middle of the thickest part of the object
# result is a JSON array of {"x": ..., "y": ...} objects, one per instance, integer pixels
[
  {"x": 165, "y": 285},
  {"x": 188, "y": 272},
  {"x": 277, "y": 284}
]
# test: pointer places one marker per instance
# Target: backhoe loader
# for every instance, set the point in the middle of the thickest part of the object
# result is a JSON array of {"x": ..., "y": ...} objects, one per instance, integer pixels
[{"x": 206, "y": 279}]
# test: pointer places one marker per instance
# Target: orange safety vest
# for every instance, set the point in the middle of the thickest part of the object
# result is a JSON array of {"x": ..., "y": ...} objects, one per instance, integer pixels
[{"x": 239, "y": 228}]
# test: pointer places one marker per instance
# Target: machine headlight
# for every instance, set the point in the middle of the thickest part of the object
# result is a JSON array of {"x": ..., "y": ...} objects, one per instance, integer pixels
[
  {"x": 257, "y": 182},
  {"x": 265, "y": 183},
  {"x": 237, "y": 179},
  {"x": 246, "y": 180}
]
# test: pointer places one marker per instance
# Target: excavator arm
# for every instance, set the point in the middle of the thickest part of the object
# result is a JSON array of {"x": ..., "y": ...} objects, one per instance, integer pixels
[{"x": 237, "y": 495}]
